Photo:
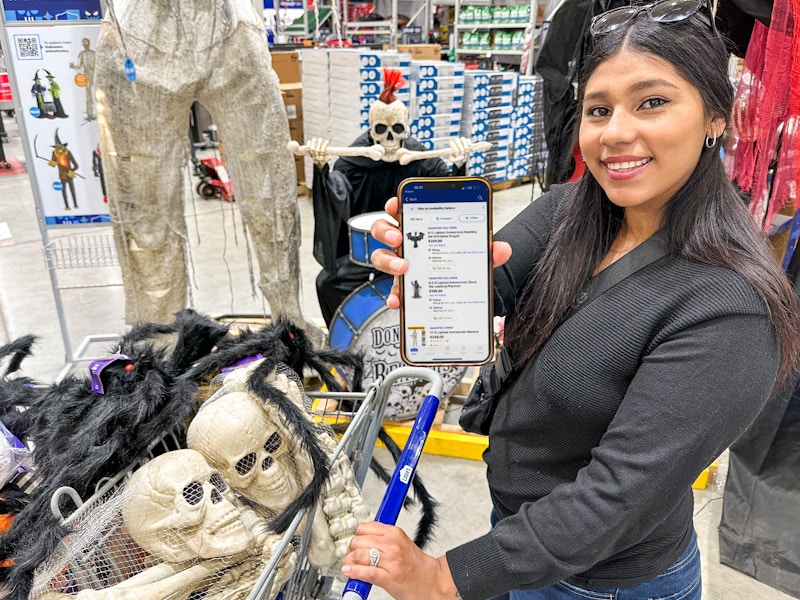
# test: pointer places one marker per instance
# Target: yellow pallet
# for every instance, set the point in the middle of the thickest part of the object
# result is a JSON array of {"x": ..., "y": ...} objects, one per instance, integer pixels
[{"x": 450, "y": 440}]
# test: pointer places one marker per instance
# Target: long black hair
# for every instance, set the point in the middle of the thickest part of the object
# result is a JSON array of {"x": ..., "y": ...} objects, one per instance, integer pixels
[{"x": 707, "y": 221}]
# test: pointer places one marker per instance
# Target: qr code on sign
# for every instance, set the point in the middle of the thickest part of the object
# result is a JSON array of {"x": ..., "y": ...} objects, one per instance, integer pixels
[{"x": 28, "y": 47}]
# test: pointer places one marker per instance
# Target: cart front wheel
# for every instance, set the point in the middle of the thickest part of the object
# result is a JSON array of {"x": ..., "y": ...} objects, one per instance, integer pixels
[{"x": 206, "y": 190}]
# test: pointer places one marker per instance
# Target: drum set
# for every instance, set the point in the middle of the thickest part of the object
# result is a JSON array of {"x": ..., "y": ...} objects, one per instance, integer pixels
[{"x": 364, "y": 324}]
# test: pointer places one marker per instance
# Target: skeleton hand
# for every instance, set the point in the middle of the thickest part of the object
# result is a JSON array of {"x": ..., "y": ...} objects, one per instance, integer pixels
[
  {"x": 318, "y": 151},
  {"x": 460, "y": 149}
]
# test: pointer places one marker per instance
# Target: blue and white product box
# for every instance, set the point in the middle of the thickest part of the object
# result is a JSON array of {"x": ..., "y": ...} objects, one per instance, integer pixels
[
  {"x": 344, "y": 101},
  {"x": 315, "y": 109},
  {"x": 495, "y": 176},
  {"x": 497, "y": 95},
  {"x": 437, "y": 121},
  {"x": 440, "y": 95},
  {"x": 352, "y": 115},
  {"x": 472, "y": 105},
  {"x": 440, "y": 83},
  {"x": 315, "y": 56},
  {"x": 496, "y": 125},
  {"x": 522, "y": 134},
  {"x": 521, "y": 119},
  {"x": 442, "y": 143},
  {"x": 427, "y": 133},
  {"x": 372, "y": 59},
  {"x": 360, "y": 74},
  {"x": 421, "y": 69},
  {"x": 475, "y": 79},
  {"x": 440, "y": 108}
]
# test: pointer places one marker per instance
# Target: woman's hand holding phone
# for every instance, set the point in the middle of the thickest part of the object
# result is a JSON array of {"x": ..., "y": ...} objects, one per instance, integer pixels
[{"x": 388, "y": 262}]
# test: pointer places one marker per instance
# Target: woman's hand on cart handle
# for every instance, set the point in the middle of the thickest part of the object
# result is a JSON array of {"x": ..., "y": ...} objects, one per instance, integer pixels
[
  {"x": 388, "y": 261},
  {"x": 402, "y": 569}
]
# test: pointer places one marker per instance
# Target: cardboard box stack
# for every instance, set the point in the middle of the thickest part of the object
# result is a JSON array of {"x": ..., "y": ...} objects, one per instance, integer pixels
[
  {"x": 292, "y": 94},
  {"x": 356, "y": 81},
  {"x": 488, "y": 104},
  {"x": 422, "y": 51},
  {"x": 316, "y": 101},
  {"x": 286, "y": 66},
  {"x": 437, "y": 92},
  {"x": 522, "y": 122}
]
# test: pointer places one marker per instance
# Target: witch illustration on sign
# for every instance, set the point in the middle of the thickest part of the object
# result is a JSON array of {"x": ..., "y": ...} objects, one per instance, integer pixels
[
  {"x": 67, "y": 165},
  {"x": 48, "y": 99}
]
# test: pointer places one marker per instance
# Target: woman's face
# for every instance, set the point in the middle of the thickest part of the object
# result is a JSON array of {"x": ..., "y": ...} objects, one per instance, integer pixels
[{"x": 642, "y": 130}]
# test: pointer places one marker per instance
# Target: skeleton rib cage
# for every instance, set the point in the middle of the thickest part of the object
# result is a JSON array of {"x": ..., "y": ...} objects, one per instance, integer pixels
[{"x": 100, "y": 553}]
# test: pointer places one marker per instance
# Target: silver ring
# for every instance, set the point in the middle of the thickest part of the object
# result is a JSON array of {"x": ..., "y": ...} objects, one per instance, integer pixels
[{"x": 374, "y": 557}]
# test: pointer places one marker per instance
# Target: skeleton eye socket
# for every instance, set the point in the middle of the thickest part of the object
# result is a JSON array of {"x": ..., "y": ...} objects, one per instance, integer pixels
[
  {"x": 246, "y": 464},
  {"x": 266, "y": 463},
  {"x": 380, "y": 128},
  {"x": 193, "y": 493},
  {"x": 218, "y": 482},
  {"x": 398, "y": 128},
  {"x": 273, "y": 443}
]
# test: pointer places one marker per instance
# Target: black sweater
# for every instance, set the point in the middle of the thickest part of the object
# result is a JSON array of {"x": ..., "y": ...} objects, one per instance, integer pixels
[{"x": 595, "y": 445}]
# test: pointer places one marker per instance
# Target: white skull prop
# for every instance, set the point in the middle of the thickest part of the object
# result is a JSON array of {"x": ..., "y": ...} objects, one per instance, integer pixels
[
  {"x": 247, "y": 441},
  {"x": 178, "y": 508},
  {"x": 388, "y": 126}
]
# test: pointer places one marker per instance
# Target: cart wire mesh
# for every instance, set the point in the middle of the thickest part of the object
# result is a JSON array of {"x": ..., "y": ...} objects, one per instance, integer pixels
[{"x": 100, "y": 552}]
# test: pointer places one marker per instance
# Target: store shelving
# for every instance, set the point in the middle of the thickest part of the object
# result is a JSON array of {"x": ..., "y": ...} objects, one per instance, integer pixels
[{"x": 498, "y": 33}]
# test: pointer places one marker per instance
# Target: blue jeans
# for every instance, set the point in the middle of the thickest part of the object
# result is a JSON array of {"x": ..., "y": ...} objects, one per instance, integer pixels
[{"x": 680, "y": 582}]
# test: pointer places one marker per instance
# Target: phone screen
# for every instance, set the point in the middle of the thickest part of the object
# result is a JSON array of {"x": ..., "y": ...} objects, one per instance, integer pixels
[{"x": 446, "y": 309}]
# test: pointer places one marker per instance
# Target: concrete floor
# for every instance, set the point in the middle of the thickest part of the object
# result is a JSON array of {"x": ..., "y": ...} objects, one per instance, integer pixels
[{"x": 222, "y": 286}]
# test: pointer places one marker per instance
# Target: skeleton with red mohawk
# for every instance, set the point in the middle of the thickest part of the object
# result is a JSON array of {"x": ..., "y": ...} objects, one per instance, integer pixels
[{"x": 367, "y": 174}]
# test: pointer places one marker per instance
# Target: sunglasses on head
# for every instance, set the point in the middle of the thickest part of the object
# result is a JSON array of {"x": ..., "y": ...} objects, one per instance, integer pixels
[{"x": 663, "y": 11}]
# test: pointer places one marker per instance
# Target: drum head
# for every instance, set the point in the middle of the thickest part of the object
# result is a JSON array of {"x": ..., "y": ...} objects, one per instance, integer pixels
[{"x": 375, "y": 330}]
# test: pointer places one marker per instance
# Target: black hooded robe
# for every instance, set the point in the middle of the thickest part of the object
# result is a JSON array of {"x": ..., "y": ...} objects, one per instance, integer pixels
[{"x": 356, "y": 185}]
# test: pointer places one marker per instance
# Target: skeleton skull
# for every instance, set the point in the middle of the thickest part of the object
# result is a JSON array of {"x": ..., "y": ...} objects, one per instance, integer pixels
[
  {"x": 245, "y": 440},
  {"x": 178, "y": 508},
  {"x": 388, "y": 126}
]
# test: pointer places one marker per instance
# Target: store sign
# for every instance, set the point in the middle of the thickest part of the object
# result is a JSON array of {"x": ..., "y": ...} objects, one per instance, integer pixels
[
  {"x": 53, "y": 69},
  {"x": 51, "y": 10}
]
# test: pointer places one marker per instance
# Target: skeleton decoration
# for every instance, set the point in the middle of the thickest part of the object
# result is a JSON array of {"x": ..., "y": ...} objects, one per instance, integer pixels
[
  {"x": 249, "y": 442},
  {"x": 388, "y": 116},
  {"x": 181, "y": 512}
]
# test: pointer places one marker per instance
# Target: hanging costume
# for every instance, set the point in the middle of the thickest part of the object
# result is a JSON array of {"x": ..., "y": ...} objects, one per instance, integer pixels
[{"x": 215, "y": 52}]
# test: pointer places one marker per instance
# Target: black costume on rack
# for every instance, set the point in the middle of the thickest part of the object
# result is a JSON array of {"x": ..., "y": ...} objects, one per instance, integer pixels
[{"x": 356, "y": 185}]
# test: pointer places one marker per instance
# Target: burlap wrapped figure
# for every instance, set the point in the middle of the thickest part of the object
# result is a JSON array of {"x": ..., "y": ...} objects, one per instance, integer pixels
[{"x": 215, "y": 52}]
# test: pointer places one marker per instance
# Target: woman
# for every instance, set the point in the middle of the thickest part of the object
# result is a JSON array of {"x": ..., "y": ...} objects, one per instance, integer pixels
[{"x": 621, "y": 401}]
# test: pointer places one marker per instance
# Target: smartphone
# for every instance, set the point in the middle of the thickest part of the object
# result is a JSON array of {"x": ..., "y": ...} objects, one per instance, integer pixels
[{"x": 446, "y": 314}]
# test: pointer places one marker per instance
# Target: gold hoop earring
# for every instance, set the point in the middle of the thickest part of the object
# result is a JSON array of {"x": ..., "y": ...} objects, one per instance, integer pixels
[{"x": 709, "y": 143}]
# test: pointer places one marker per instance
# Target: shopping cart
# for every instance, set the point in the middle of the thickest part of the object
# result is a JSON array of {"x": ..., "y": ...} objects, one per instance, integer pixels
[{"x": 106, "y": 561}]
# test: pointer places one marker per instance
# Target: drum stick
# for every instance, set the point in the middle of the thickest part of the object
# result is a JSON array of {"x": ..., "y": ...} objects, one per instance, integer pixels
[
  {"x": 406, "y": 156},
  {"x": 375, "y": 152},
  {"x": 392, "y": 502}
]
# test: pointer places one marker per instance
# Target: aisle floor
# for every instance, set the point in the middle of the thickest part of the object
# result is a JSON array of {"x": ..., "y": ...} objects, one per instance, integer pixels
[{"x": 222, "y": 286}]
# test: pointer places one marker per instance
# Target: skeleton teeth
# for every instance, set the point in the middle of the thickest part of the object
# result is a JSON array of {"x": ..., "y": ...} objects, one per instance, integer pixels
[{"x": 624, "y": 166}]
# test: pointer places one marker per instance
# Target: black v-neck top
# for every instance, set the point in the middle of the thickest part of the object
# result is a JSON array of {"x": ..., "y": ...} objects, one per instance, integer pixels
[{"x": 595, "y": 445}]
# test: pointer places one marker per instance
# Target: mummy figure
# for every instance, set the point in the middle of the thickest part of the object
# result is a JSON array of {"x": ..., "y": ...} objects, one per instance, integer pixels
[{"x": 154, "y": 58}]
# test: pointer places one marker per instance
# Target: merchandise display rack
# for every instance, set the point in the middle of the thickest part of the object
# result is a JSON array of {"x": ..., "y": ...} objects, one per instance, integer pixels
[{"x": 89, "y": 251}]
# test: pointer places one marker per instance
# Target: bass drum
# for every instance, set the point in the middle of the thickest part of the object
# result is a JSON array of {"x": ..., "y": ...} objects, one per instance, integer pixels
[{"x": 363, "y": 323}]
